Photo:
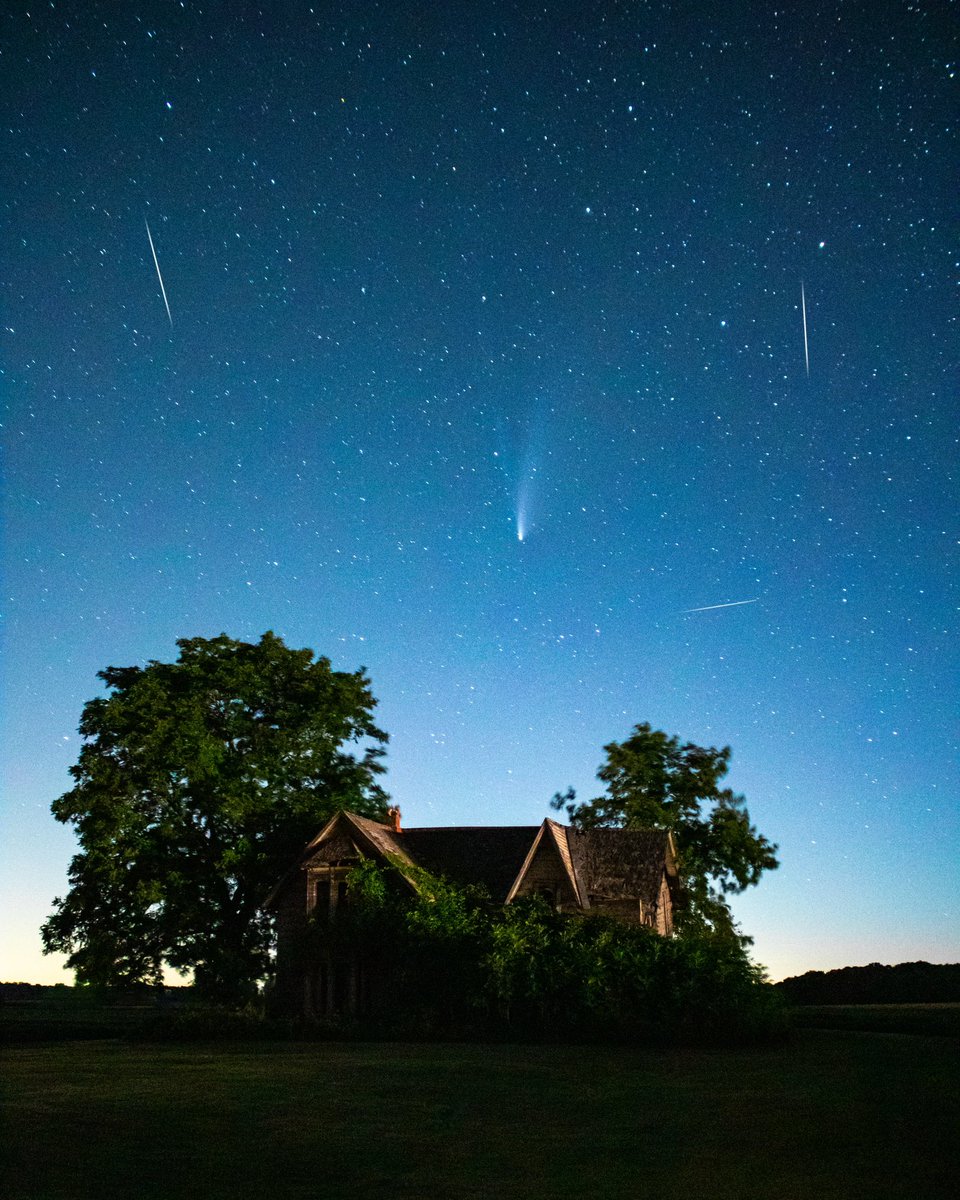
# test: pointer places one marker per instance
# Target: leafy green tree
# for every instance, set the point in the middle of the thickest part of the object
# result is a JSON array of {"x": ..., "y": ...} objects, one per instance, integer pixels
[
  {"x": 197, "y": 784},
  {"x": 655, "y": 782}
]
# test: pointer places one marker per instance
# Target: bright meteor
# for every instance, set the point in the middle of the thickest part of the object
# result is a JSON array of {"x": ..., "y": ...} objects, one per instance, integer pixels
[
  {"x": 729, "y": 604},
  {"x": 806, "y": 347},
  {"x": 163, "y": 290}
]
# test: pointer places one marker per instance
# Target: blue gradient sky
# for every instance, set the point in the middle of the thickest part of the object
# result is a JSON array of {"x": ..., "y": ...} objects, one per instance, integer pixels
[{"x": 430, "y": 276}]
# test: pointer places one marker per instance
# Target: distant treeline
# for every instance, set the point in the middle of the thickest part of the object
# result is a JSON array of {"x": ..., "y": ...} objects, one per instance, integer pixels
[
  {"x": 63, "y": 993},
  {"x": 906, "y": 983},
  {"x": 33, "y": 993}
]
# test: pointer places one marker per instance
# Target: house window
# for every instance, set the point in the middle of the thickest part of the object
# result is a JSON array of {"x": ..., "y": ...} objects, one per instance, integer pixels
[{"x": 331, "y": 890}]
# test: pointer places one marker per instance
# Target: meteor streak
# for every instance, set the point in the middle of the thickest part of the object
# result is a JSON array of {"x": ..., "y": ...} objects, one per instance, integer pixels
[
  {"x": 729, "y": 604},
  {"x": 163, "y": 290},
  {"x": 806, "y": 347}
]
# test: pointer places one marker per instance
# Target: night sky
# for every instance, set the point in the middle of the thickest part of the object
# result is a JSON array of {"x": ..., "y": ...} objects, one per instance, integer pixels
[{"x": 485, "y": 368}]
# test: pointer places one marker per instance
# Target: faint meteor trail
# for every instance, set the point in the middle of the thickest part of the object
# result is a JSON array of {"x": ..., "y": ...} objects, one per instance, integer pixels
[
  {"x": 729, "y": 604},
  {"x": 806, "y": 347},
  {"x": 163, "y": 290}
]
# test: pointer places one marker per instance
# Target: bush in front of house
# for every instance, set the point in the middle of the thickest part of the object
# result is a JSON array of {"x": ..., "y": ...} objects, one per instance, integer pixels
[
  {"x": 460, "y": 965},
  {"x": 597, "y": 978}
]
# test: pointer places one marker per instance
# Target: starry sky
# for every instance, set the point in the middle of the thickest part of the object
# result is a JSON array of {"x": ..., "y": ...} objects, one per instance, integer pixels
[{"x": 506, "y": 343}]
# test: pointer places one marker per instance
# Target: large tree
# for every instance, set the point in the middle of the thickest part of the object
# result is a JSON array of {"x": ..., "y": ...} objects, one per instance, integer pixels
[
  {"x": 198, "y": 783},
  {"x": 654, "y": 782}
]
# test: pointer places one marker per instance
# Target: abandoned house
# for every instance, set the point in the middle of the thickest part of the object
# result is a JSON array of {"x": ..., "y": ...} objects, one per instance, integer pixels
[{"x": 626, "y": 873}]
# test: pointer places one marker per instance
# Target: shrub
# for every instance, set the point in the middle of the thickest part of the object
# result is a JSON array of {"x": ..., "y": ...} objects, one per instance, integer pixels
[{"x": 459, "y": 964}]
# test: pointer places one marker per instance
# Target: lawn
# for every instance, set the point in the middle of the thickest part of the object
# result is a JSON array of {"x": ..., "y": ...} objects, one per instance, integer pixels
[
  {"x": 940, "y": 1019},
  {"x": 832, "y": 1114}
]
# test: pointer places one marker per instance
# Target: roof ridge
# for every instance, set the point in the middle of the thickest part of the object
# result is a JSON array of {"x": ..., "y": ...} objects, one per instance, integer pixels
[{"x": 448, "y": 828}]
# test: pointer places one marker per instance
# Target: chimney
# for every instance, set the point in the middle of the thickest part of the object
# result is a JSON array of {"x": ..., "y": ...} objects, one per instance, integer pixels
[{"x": 393, "y": 819}]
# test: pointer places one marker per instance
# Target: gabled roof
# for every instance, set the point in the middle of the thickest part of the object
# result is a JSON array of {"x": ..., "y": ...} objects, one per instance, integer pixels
[
  {"x": 604, "y": 863},
  {"x": 556, "y": 835},
  {"x": 613, "y": 863},
  {"x": 376, "y": 839}
]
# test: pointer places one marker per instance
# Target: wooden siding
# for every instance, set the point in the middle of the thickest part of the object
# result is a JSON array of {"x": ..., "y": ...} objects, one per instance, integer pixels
[
  {"x": 665, "y": 908},
  {"x": 547, "y": 876}
]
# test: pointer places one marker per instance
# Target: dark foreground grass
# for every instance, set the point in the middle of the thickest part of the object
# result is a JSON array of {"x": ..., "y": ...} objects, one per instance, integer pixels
[
  {"x": 939, "y": 1019},
  {"x": 830, "y": 1115}
]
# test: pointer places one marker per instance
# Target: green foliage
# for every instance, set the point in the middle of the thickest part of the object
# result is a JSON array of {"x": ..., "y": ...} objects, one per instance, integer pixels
[
  {"x": 905, "y": 983},
  {"x": 425, "y": 941},
  {"x": 655, "y": 782},
  {"x": 197, "y": 783},
  {"x": 595, "y": 977},
  {"x": 458, "y": 963}
]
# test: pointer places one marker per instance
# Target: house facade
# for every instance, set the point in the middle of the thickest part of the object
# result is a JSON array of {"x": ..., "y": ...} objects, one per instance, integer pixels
[{"x": 623, "y": 873}]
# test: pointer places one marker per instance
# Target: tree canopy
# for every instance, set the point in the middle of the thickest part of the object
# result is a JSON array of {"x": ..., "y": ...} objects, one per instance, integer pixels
[
  {"x": 655, "y": 782},
  {"x": 197, "y": 784}
]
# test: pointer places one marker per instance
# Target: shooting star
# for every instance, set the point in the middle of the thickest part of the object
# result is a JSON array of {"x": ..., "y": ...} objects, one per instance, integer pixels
[
  {"x": 729, "y": 604},
  {"x": 163, "y": 290},
  {"x": 806, "y": 346}
]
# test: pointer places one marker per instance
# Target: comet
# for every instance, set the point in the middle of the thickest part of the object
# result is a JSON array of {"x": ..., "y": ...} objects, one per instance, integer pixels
[
  {"x": 524, "y": 500},
  {"x": 806, "y": 346},
  {"x": 729, "y": 604},
  {"x": 163, "y": 290}
]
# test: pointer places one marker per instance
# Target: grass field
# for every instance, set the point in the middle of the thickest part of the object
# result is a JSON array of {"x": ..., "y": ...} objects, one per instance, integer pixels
[
  {"x": 832, "y": 1114},
  {"x": 938, "y": 1019}
]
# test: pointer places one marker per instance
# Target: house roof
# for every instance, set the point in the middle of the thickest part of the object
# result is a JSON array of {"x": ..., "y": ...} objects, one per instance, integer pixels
[
  {"x": 609, "y": 863},
  {"x": 600, "y": 863},
  {"x": 556, "y": 835},
  {"x": 489, "y": 856},
  {"x": 371, "y": 835}
]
